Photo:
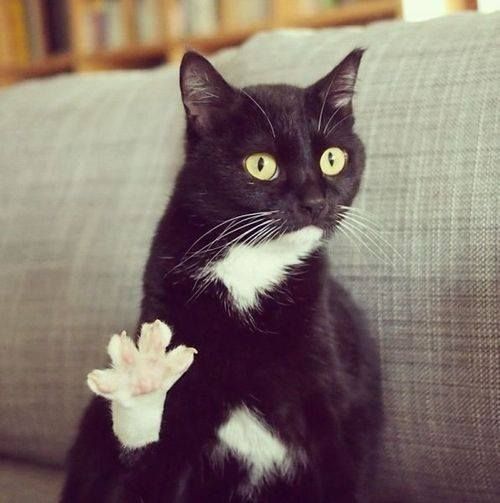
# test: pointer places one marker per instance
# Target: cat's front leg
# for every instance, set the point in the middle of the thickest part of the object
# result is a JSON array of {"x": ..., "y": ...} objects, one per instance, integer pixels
[{"x": 138, "y": 381}]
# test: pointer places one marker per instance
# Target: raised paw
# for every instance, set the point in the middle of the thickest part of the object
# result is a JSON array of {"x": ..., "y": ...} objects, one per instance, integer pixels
[{"x": 143, "y": 369}]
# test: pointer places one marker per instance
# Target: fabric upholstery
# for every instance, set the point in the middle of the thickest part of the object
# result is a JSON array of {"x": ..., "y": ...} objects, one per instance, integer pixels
[
  {"x": 28, "y": 483},
  {"x": 87, "y": 163}
]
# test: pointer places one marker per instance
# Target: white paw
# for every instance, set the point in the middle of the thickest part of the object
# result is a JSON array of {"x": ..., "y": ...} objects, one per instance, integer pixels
[{"x": 142, "y": 370}]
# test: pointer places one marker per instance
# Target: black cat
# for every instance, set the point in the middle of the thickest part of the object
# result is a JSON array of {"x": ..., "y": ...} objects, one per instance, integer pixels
[{"x": 282, "y": 403}]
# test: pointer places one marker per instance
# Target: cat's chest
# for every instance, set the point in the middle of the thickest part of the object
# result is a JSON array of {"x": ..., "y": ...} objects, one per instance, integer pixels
[
  {"x": 247, "y": 436},
  {"x": 248, "y": 272}
]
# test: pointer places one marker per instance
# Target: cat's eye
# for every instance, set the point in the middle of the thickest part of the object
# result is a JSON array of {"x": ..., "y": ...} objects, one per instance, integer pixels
[
  {"x": 333, "y": 161},
  {"x": 261, "y": 166}
]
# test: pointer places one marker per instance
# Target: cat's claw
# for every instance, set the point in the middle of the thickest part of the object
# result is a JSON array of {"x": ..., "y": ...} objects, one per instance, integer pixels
[{"x": 143, "y": 369}]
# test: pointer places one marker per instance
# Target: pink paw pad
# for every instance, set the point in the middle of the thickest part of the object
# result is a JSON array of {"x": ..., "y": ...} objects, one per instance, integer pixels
[{"x": 142, "y": 369}]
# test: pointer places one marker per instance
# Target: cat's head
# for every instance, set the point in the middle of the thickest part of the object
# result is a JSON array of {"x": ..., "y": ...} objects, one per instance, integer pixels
[{"x": 270, "y": 148}]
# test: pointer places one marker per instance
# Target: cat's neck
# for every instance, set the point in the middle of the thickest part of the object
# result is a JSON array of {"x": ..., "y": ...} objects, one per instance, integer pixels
[
  {"x": 246, "y": 274},
  {"x": 251, "y": 272}
]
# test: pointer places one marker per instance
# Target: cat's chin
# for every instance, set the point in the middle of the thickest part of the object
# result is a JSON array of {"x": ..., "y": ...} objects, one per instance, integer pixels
[
  {"x": 305, "y": 226},
  {"x": 309, "y": 233}
]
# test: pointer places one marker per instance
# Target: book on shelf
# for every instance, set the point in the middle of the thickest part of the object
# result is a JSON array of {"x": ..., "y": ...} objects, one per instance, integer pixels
[
  {"x": 17, "y": 37},
  {"x": 5, "y": 52},
  {"x": 30, "y": 30},
  {"x": 58, "y": 25},
  {"x": 206, "y": 17},
  {"x": 200, "y": 17},
  {"x": 309, "y": 7},
  {"x": 149, "y": 21},
  {"x": 37, "y": 29},
  {"x": 243, "y": 13},
  {"x": 103, "y": 25}
]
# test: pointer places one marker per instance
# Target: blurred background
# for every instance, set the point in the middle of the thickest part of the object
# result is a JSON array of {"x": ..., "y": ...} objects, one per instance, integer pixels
[{"x": 44, "y": 37}]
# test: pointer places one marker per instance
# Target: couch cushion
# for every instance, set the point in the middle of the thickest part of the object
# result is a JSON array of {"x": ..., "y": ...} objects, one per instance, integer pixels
[
  {"x": 87, "y": 162},
  {"x": 29, "y": 483}
]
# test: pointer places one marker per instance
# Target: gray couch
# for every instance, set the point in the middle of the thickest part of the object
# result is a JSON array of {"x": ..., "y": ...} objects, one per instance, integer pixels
[{"x": 87, "y": 163}]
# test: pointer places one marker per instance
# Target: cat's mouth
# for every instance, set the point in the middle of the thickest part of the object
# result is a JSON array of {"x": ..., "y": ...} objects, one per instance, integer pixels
[{"x": 324, "y": 222}]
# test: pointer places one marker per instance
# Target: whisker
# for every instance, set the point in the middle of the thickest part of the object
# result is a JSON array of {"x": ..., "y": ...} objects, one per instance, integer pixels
[
  {"x": 324, "y": 103},
  {"x": 230, "y": 222},
  {"x": 360, "y": 215},
  {"x": 272, "y": 235},
  {"x": 360, "y": 211},
  {"x": 244, "y": 215},
  {"x": 362, "y": 219},
  {"x": 205, "y": 277},
  {"x": 350, "y": 231},
  {"x": 241, "y": 236},
  {"x": 331, "y": 117},
  {"x": 234, "y": 241},
  {"x": 363, "y": 234},
  {"x": 340, "y": 227},
  {"x": 227, "y": 231},
  {"x": 211, "y": 248},
  {"x": 373, "y": 233},
  {"x": 262, "y": 110},
  {"x": 261, "y": 236},
  {"x": 337, "y": 124},
  {"x": 205, "y": 283}
]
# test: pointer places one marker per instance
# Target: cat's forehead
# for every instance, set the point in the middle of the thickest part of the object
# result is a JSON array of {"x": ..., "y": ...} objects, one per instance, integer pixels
[
  {"x": 279, "y": 98},
  {"x": 283, "y": 106}
]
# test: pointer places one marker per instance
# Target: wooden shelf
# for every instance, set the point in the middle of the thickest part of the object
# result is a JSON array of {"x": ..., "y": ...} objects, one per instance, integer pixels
[
  {"x": 282, "y": 13},
  {"x": 356, "y": 13},
  {"x": 127, "y": 57},
  {"x": 221, "y": 39},
  {"x": 50, "y": 65}
]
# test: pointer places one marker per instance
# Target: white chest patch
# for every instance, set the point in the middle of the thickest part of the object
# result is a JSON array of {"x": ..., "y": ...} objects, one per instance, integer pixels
[
  {"x": 250, "y": 271},
  {"x": 252, "y": 442}
]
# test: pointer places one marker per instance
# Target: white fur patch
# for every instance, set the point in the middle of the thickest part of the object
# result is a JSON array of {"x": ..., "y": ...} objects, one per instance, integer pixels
[
  {"x": 250, "y": 271},
  {"x": 251, "y": 441},
  {"x": 138, "y": 381},
  {"x": 138, "y": 424}
]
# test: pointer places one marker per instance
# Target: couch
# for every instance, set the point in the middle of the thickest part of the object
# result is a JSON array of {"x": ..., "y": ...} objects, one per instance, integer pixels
[{"x": 87, "y": 163}]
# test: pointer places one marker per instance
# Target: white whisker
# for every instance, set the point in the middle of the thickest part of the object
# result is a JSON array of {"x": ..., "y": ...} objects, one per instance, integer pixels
[
  {"x": 324, "y": 103},
  {"x": 230, "y": 222},
  {"x": 244, "y": 215},
  {"x": 372, "y": 232},
  {"x": 331, "y": 118},
  {"x": 227, "y": 231},
  {"x": 337, "y": 124},
  {"x": 340, "y": 227},
  {"x": 354, "y": 209},
  {"x": 350, "y": 231},
  {"x": 261, "y": 236},
  {"x": 241, "y": 236},
  {"x": 363, "y": 234},
  {"x": 362, "y": 218},
  {"x": 262, "y": 110},
  {"x": 205, "y": 276}
]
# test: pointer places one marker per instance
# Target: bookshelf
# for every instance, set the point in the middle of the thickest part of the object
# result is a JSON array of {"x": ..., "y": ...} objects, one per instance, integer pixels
[{"x": 44, "y": 37}]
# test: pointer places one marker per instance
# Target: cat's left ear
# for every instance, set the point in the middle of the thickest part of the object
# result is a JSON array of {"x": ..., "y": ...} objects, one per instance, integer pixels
[
  {"x": 337, "y": 88},
  {"x": 205, "y": 94}
]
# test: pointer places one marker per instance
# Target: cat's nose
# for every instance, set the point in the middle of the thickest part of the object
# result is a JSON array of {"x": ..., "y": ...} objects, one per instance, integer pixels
[{"x": 314, "y": 204}]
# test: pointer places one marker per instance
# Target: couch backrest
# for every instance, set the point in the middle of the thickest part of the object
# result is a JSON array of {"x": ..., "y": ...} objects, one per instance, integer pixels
[{"x": 86, "y": 166}]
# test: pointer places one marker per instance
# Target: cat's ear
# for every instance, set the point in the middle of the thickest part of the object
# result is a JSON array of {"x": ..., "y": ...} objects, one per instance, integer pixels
[
  {"x": 205, "y": 93},
  {"x": 337, "y": 88}
]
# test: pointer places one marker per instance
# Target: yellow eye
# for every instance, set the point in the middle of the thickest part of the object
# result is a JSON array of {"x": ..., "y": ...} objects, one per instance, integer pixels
[
  {"x": 333, "y": 161},
  {"x": 261, "y": 166}
]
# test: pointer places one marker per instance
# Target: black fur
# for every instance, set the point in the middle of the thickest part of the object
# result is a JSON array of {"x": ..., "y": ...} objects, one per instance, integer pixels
[{"x": 303, "y": 360}]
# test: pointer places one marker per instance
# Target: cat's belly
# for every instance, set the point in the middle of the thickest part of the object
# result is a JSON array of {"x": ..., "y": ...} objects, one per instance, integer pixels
[{"x": 253, "y": 443}]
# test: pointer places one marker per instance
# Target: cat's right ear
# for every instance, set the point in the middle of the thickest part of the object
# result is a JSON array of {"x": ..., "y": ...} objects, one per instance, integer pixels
[{"x": 205, "y": 94}]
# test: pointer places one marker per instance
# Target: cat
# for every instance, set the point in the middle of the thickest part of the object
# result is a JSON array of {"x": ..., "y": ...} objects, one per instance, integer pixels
[{"x": 272, "y": 393}]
